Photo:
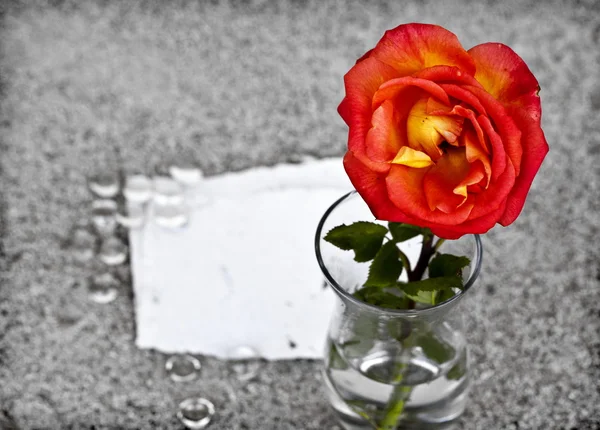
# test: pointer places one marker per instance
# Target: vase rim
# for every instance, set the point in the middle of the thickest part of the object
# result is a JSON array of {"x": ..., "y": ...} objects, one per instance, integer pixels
[{"x": 341, "y": 291}]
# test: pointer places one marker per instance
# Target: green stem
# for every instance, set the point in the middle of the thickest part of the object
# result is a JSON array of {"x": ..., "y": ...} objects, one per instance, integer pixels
[
  {"x": 395, "y": 407},
  {"x": 401, "y": 393},
  {"x": 427, "y": 251}
]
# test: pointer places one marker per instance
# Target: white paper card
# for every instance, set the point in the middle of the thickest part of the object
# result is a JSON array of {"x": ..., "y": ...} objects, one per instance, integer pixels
[{"x": 243, "y": 271}]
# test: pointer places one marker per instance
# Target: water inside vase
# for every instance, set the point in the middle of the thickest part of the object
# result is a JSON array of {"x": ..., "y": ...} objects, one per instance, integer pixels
[{"x": 359, "y": 389}]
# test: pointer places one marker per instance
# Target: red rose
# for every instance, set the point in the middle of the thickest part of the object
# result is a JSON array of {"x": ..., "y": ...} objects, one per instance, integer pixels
[{"x": 441, "y": 137}]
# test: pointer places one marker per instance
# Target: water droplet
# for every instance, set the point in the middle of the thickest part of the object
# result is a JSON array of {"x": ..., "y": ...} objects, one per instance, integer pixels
[
  {"x": 104, "y": 184},
  {"x": 132, "y": 216},
  {"x": 83, "y": 244},
  {"x": 171, "y": 215},
  {"x": 243, "y": 352},
  {"x": 112, "y": 251},
  {"x": 245, "y": 362},
  {"x": 187, "y": 173},
  {"x": 103, "y": 288},
  {"x": 138, "y": 188},
  {"x": 167, "y": 191},
  {"x": 182, "y": 368},
  {"x": 103, "y": 216},
  {"x": 196, "y": 412}
]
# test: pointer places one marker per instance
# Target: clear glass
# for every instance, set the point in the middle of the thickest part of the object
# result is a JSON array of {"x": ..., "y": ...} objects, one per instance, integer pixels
[{"x": 376, "y": 358}]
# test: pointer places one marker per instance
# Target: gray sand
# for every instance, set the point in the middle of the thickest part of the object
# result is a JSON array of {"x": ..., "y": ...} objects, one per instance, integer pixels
[{"x": 248, "y": 83}]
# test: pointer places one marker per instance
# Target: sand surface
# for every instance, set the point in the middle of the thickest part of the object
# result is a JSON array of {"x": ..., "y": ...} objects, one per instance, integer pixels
[{"x": 253, "y": 83}]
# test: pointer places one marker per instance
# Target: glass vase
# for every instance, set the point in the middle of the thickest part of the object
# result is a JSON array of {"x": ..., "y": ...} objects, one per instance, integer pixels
[{"x": 388, "y": 369}]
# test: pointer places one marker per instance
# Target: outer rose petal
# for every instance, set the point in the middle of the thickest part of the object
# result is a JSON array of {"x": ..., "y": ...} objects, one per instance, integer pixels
[
  {"x": 371, "y": 187},
  {"x": 506, "y": 76},
  {"x": 361, "y": 82},
  {"x": 383, "y": 142},
  {"x": 479, "y": 225},
  {"x": 410, "y": 48},
  {"x": 502, "y": 72},
  {"x": 535, "y": 149}
]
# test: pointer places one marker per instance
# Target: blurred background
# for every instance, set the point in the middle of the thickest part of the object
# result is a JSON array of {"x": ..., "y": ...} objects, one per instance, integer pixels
[{"x": 237, "y": 84}]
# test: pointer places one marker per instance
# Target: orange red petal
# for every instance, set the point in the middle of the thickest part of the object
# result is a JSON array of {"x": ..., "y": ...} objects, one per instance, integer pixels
[
  {"x": 442, "y": 181},
  {"x": 410, "y": 48},
  {"x": 383, "y": 141},
  {"x": 502, "y": 72},
  {"x": 411, "y": 158}
]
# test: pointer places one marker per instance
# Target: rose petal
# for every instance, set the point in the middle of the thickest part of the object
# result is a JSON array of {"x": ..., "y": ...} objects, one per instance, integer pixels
[
  {"x": 488, "y": 207},
  {"x": 504, "y": 124},
  {"x": 383, "y": 142},
  {"x": 498, "y": 151},
  {"x": 475, "y": 126},
  {"x": 442, "y": 180},
  {"x": 502, "y": 72},
  {"x": 361, "y": 83},
  {"x": 464, "y": 96},
  {"x": 475, "y": 153},
  {"x": 391, "y": 89},
  {"x": 372, "y": 188},
  {"x": 447, "y": 75},
  {"x": 479, "y": 225},
  {"x": 453, "y": 127},
  {"x": 405, "y": 190},
  {"x": 413, "y": 47},
  {"x": 496, "y": 193},
  {"x": 474, "y": 177},
  {"x": 411, "y": 158},
  {"x": 426, "y": 131},
  {"x": 535, "y": 149}
]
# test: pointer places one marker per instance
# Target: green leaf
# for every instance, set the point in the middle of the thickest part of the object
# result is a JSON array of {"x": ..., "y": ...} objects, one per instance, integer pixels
[
  {"x": 364, "y": 238},
  {"x": 447, "y": 265},
  {"x": 379, "y": 297},
  {"x": 386, "y": 267},
  {"x": 431, "y": 284},
  {"x": 435, "y": 349},
  {"x": 426, "y": 297},
  {"x": 401, "y": 232},
  {"x": 443, "y": 295}
]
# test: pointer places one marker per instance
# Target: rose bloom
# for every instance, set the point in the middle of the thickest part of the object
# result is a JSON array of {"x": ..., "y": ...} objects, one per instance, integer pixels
[{"x": 441, "y": 137}]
